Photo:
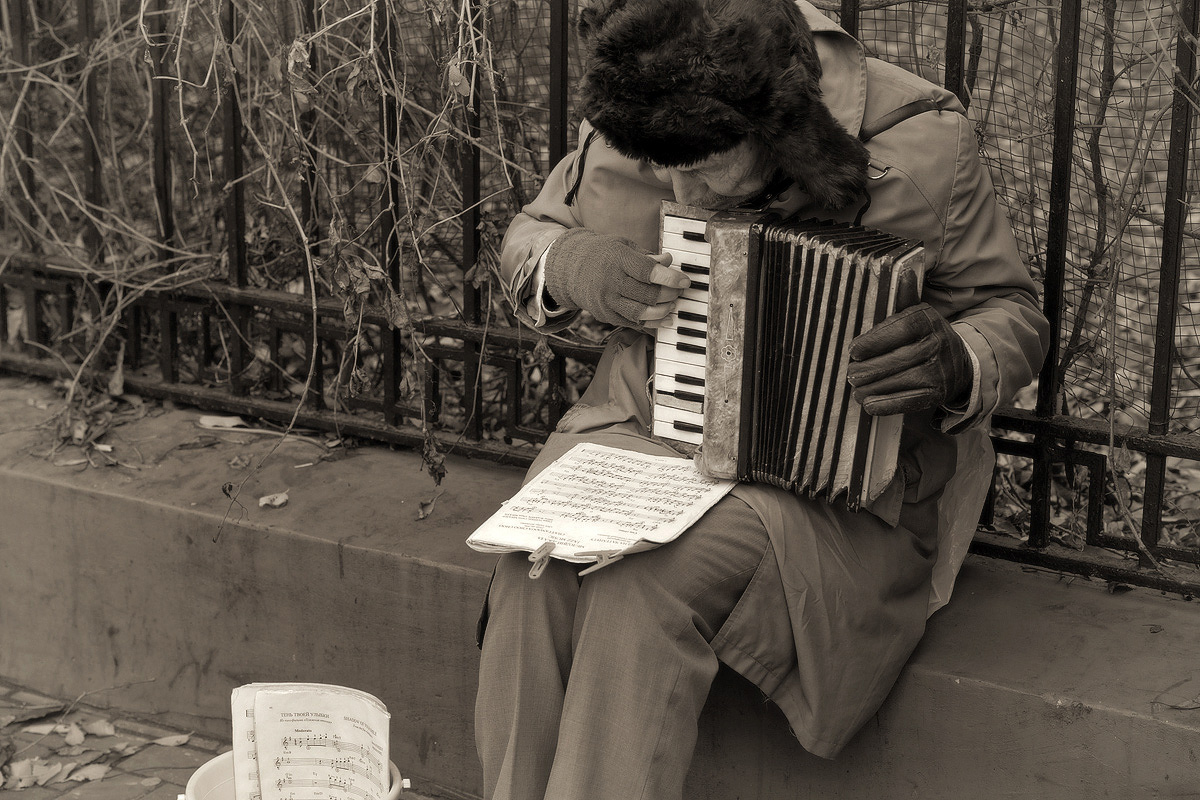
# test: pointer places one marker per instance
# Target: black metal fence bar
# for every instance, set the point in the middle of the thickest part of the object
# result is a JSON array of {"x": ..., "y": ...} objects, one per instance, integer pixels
[
  {"x": 956, "y": 46},
  {"x": 235, "y": 205},
  {"x": 1066, "y": 82},
  {"x": 471, "y": 196},
  {"x": 559, "y": 35},
  {"x": 23, "y": 121},
  {"x": 389, "y": 244},
  {"x": 848, "y": 16},
  {"x": 91, "y": 103},
  {"x": 1169, "y": 273}
]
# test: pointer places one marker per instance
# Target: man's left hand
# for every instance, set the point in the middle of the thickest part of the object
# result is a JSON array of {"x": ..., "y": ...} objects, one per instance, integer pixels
[{"x": 911, "y": 361}]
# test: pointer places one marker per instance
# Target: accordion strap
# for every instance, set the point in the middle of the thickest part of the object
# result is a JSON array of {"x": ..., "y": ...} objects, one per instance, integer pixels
[
  {"x": 894, "y": 117},
  {"x": 877, "y": 126}
]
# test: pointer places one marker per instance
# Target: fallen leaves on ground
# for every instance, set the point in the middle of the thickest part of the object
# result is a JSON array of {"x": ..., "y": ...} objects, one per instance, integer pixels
[
  {"x": 88, "y": 751},
  {"x": 278, "y": 500},
  {"x": 173, "y": 741}
]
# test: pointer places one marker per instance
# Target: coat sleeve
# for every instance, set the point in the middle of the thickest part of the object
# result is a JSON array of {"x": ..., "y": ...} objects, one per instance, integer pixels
[
  {"x": 974, "y": 274},
  {"x": 613, "y": 195}
]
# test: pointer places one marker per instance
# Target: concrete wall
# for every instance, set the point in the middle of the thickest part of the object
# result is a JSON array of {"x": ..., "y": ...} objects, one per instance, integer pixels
[{"x": 1028, "y": 685}]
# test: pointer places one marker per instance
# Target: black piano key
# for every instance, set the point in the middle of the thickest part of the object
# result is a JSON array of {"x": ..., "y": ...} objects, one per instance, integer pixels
[
  {"x": 687, "y": 426},
  {"x": 690, "y": 348},
  {"x": 695, "y": 236},
  {"x": 691, "y": 397},
  {"x": 692, "y": 332},
  {"x": 693, "y": 269},
  {"x": 692, "y": 316},
  {"x": 689, "y": 380}
]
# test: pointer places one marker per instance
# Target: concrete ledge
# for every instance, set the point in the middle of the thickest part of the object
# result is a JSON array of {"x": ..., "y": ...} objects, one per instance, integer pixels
[{"x": 1027, "y": 685}]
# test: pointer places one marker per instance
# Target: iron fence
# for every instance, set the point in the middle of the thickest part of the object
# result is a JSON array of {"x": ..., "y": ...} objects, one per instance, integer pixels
[{"x": 293, "y": 210}]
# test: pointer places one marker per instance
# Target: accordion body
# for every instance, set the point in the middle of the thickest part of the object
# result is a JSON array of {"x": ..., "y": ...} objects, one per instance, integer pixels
[{"x": 750, "y": 368}]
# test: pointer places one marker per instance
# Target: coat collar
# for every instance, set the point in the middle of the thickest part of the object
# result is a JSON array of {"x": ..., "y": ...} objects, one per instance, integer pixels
[{"x": 843, "y": 69}]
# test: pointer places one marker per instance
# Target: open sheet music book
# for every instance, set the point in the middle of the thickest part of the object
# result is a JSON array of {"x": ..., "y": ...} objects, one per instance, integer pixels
[
  {"x": 329, "y": 742},
  {"x": 596, "y": 501}
]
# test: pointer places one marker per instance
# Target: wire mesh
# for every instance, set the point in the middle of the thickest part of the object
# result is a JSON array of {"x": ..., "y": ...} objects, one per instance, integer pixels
[{"x": 353, "y": 134}]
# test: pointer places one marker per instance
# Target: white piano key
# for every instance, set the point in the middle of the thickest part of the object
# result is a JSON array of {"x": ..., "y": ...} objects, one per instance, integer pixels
[
  {"x": 671, "y": 369},
  {"x": 665, "y": 418},
  {"x": 670, "y": 355},
  {"x": 664, "y": 400},
  {"x": 668, "y": 385},
  {"x": 671, "y": 337},
  {"x": 664, "y": 430},
  {"x": 703, "y": 260},
  {"x": 673, "y": 320},
  {"x": 674, "y": 224},
  {"x": 676, "y": 243}
]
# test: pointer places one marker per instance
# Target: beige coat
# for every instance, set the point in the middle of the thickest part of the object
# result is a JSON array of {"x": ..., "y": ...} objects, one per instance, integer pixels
[{"x": 927, "y": 183}]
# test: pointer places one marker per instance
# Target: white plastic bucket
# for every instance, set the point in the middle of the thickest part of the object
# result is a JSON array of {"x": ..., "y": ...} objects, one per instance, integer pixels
[{"x": 214, "y": 780}]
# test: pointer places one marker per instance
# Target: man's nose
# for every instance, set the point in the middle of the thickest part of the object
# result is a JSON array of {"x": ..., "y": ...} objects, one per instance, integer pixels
[{"x": 689, "y": 191}]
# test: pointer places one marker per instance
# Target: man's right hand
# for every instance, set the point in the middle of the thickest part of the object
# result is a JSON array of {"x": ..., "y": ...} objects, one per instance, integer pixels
[{"x": 611, "y": 278}]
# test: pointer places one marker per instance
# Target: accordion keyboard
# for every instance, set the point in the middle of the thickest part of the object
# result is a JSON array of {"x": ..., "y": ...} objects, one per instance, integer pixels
[
  {"x": 680, "y": 353},
  {"x": 749, "y": 368}
]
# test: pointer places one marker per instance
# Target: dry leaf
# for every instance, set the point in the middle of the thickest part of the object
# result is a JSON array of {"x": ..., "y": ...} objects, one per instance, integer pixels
[
  {"x": 92, "y": 772},
  {"x": 173, "y": 741},
  {"x": 198, "y": 443},
  {"x": 426, "y": 506},
  {"x": 30, "y": 713},
  {"x": 99, "y": 727},
  {"x": 44, "y": 772},
  {"x": 278, "y": 500},
  {"x": 239, "y": 461},
  {"x": 151, "y": 782},
  {"x": 73, "y": 750},
  {"x": 71, "y": 462},
  {"x": 74, "y": 734},
  {"x": 214, "y": 421},
  {"x": 88, "y": 756},
  {"x": 116, "y": 381},
  {"x": 40, "y": 730},
  {"x": 20, "y": 774}
]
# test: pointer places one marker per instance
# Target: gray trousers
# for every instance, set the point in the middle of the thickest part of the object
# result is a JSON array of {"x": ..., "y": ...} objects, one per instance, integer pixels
[{"x": 591, "y": 688}]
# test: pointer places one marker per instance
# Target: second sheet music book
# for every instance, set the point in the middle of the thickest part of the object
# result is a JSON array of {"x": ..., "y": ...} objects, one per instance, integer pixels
[{"x": 309, "y": 740}]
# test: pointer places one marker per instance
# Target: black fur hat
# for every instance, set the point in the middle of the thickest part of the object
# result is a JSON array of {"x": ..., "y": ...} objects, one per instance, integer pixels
[{"x": 676, "y": 81}]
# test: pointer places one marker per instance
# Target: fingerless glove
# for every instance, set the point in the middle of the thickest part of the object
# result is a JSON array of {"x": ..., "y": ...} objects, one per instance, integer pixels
[{"x": 605, "y": 275}]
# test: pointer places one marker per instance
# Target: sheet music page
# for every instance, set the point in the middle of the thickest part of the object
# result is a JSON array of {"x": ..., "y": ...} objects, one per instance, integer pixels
[
  {"x": 318, "y": 741},
  {"x": 602, "y": 499},
  {"x": 245, "y": 753}
]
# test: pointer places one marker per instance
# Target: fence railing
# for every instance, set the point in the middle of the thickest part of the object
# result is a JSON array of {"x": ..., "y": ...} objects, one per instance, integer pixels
[{"x": 291, "y": 211}]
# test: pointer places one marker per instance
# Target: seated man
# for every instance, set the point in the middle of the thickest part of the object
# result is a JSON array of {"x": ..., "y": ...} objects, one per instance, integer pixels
[{"x": 591, "y": 687}]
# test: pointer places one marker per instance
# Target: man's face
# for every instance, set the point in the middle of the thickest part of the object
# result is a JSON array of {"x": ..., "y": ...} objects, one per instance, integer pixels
[{"x": 721, "y": 181}]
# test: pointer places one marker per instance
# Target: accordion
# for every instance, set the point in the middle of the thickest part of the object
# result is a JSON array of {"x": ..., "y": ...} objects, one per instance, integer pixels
[{"x": 750, "y": 368}]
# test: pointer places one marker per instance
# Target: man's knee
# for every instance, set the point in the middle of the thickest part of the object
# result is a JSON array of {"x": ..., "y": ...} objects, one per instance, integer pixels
[{"x": 511, "y": 585}]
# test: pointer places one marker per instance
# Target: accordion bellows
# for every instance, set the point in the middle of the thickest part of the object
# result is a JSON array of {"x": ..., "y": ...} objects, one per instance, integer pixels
[{"x": 750, "y": 370}]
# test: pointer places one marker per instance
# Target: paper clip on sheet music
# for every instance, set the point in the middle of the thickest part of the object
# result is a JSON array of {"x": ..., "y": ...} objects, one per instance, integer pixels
[
  {"x": 540, "y": 558},
  {"x": 603, "y": 559}
]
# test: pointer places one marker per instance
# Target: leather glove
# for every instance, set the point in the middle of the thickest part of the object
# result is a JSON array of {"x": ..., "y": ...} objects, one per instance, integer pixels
[
  {"x": 611, "y": 278},
  {"x": 911, "y": 361}
]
